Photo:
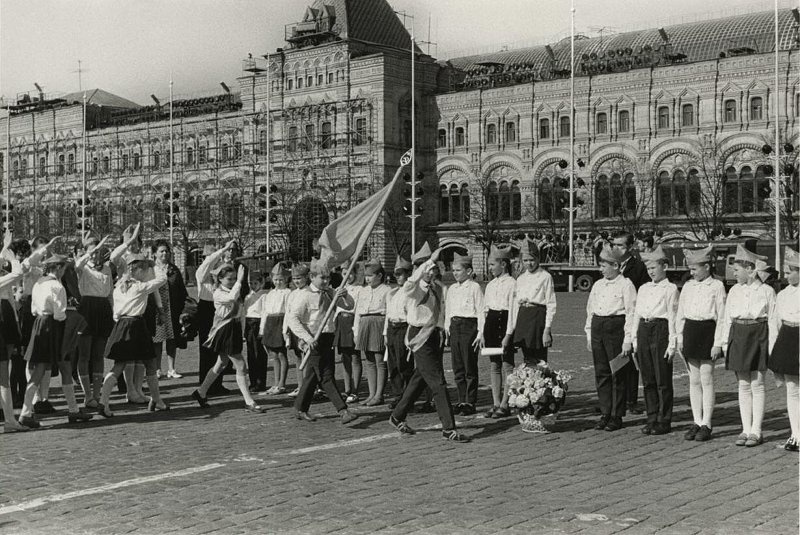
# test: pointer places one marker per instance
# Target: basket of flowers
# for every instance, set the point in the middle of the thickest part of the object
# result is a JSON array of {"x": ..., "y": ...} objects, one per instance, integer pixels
[{"x": 536, "y": 391}]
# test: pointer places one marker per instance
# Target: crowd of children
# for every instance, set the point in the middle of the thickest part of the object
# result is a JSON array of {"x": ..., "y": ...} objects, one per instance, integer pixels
[{"x": 122, "y": 306}]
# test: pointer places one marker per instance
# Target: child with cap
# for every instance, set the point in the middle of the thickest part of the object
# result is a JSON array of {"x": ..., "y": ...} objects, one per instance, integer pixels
[
  {"x": 609, "y": 333},
  {"x": 400, "y": 366},
  {"x": 654, "y": 341},
  {"x": 257, "y": 358},
  {"x": 273, "y": 311},
  {"x": 784, "y": 356},
  {"x": 344, "y": 337},
  {"x": 699, "y": 325},
  {"x": 463, "y": 324},
  {"x": 748, "y": 335},
  {"x": 370, "y": 316},
  {"x": 300, "y": 281}
]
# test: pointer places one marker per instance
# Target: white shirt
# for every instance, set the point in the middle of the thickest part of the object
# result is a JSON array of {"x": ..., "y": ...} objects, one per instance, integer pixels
[
  {"x": 536, "y": 288},
  {"x": 656, "y": 300},
  {"x": 702, "y": 301},
  {"x": 225, "y": 301},
  {"x": 613, "y": 297},
  {"x": 93, "y": 282},
  {"x": 750, "y": 301},
  {"x": 130, "y": 296},
  {"x": 371, "y": 300},
  {"x": 274, "y": 304},
  {"x": 49, "y": 298},
  {"x": 424, "y": 299},
  {"x": 787, "y": 305},
  {"x": 464, "y": 300},
  {"x": 290, "y": 303},
  {"x": 499, "y": 294},
  {"x": 308, "y": 310},
  {"x": 205, "y": 284},
  {"x": 396, "y": 303},
  {"x": 254, "y": 303}
]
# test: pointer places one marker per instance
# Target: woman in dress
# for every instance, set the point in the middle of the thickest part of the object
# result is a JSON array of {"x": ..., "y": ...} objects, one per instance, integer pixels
[{"x": 173, "y": 296}]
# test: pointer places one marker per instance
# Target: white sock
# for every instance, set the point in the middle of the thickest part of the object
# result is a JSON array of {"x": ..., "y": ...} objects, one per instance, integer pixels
[
  {"x": 27, "y": 406},
  {"x": 696, "y": 396},
  {"x": 746, "y": 406},
  {"x": 44, "y": 386},
  {"x": 759, "y": 400},
  {"x": 108, "y": 385},
  {"x": 709, "y": 395},
  {"x": 792, "y": 404},
  {"x": 69, "y": 394},
  {"x": 241, "y": 381}
]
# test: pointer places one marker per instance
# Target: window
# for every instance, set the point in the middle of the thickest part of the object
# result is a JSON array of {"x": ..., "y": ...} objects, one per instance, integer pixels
[
  {"x": 678, "y": 194},
  {"x": 602, "y": 197},
  {"x": 223, "y": 154},
  {"x": 455, "y": 204},
  {"x": 43, "y": 166},
  {"x": 441, "y": 138},
  {"x": 320, "y": 79},
  {"x": 106, "y": 164},
  {"x": 95, "y": 165},
  {"x": 300, "y": 83},
  {"x": 624, "y": 120},
  {"x": 601, "y": 126},
  {"x": 263, "y": 140},
  {"x": 491, "y": 201},
  {"x": 156, "y": 159},
  {"x": 664, "y": 194},
  {"x": 563, "y": 126},
  {"x": 614, "y": 196},
  {"x": 687, "y": 115},
  {"x": 544, "y": 128},
  {"x": 511, "y": 132},
  {"x": 459, "y": 136},
  {"x": 289, "y": 84},
  {"x": 730, "y": 111},
  {"x": 137, "y": 160},
  {"x": 309, "y": 81},
  {"x": 361, "y": 132},
  {"x": 491, "y": 134},
  {"x": 756, "y": 109},
  {"x": 444, "y": 204},
  {"x": 15, "y": 168},
  {"x": 61, "y": 165},
  {"x": 202, "y": 154},
  {"x": 330, "y": 77},
  {"x": 550, "y": 195},
  {"x": 695, "y": 194},
  {"x": 71, "y": 162},
  {"x": 2, "y": 164},
  {"x": 189, "y": 156},
  {"x": 663, "y": 117},
  {"x": 465, "y": 203},
  {"x": 292, "y": 141},
  {"x": 327, "y": 138},
  {"x": 23, "y": 166},
  {"x": 505, "y": 201},
  {"x": 309, "y": 142}
]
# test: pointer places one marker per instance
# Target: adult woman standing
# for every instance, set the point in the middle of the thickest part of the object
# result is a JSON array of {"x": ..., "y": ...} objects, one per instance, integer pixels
[{"x": 173, "y": 296}]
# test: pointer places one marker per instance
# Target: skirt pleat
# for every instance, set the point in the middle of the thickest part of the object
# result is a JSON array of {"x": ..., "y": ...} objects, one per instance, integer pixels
[
  {"x": 748, "y": 347},
  {"x": 273, "y": 332},
  {"x": 785, "y": 356},
  {"x": 370, "y": 334},
  {"x": 228, "y": 339},
  {"x": 130, "y": 341},
  {"x": 47, "y": 337}
]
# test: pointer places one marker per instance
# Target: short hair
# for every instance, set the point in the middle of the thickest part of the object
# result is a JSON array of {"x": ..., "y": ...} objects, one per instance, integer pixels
[
  {"x": 39, "y": 240},
  {"x": 20, "y": 247},
  {"x": 223, "y": 272},
  {"x": 256, "y": 276},
  {"x": 649, "y": 241},
  {"x": 507, "y": 267},
  {"x": 624, "y": 234},
  {"x": 745, "y": 263},
  {"x": 138, "y": 264},
  {"x": 160, "y": 243}
]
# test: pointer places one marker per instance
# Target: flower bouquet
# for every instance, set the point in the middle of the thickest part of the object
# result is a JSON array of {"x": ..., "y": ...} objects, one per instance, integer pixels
[{"x": 536, "y": 392}]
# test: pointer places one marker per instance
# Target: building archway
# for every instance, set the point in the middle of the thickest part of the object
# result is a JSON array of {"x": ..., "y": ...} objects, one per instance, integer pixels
[{"x": 309, "y": 218}]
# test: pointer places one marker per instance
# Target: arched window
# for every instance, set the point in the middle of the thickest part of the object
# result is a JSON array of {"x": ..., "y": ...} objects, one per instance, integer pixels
[
  {"x": 327, "y": 138},
  {"x": 455, "y": 204},
  {"x": 23, "y": 166},
  {"x": 491, "y": 134},
  {"x": 544, "y": 129},
  {"x": 491, "y": 201},
  {"x": 61, "y": 165},
  {"x": 663, "y": 117},
  {"x": 756, "y": 109},
  {"x": 695, "y": 193},
  {"x": 15, "y": 168},
  {"x": 137, "y": 161},
  {"x": 465, "y": 203},
  {"x": 160, "y": 215},
  {"x": 730, "y": 111},
  {"x": 290, "y": 84},
  {"x": 687, "y": 115},
  {"x": 204, "y": 213},
  {"x": 545, "y": 199},
  {"x": 43, "y": 166},
  {"x": 601, "y": 125},
  {"x": 511, "y": 132},
  {"x": 516, "y": 201},
  {"x": 291, "y": 145},
  {"x": 679, "y": 189},
  {"x": 223, "y": 153},
  {"x": 624, "y": 121},
  {"x": 189, "y": 156},
  {"x": 444, "y": 204},
  {"x": 95, "y": 165},
  {"x": 563, "y": 126},
  {"x": 441, "y": 138},
  {"x": 460, "y": 136},
  {"x": 629, "y": 186},
  {"x": 664, "y": 194},
  {"x": 505, "y": 201},
  {"x": 156, "y": 159},
  {"x": 106, "y": 164},
  {"x": 677, "y": 195},
  {"x": 762, "y": 185},
  {"x": 602, "y": 197},
  {"x": 747, "y": 190},
  {"x": 71, "y": 162}
]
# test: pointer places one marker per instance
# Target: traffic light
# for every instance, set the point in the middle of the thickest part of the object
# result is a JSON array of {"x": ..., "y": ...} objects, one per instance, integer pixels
[
  {"x": 8, "y": 215},
  {"x": 84, "y": 214},
  {"x": 412, "y": 192},
  {"x": 172, "y": 208},
  {"x": 267, "y": 200}
]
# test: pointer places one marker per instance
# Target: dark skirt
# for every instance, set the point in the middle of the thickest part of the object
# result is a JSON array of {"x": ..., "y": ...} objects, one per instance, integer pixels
[
  {"x": 494, "y": 328},
  {"x": 748, "y": 347},
  {"x": 273, "y": 332},
  {"x": 529, "y": 328},
  {"x": 151, "y": 315},
  {"x": 74, "y": 326},
  {"x": 26, "y": 320},
  {"x": 98, "y": 315},
  {"x": 343, "y": 332},
  {"x": 4, "y": 356},
  {"x": 698, "y": 339},
  {"x": 785, "y": 356},
  {"x": 130, "y": 341},
  {"x": 9, "y": 324},
  {"x": 46, "y": 338},
  {"x": 370, "y": 333},
  {"x": 228, "y": 339}
]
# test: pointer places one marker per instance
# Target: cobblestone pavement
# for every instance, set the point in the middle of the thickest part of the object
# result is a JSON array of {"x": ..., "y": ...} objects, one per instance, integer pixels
[{"x": 227, "y": 471}]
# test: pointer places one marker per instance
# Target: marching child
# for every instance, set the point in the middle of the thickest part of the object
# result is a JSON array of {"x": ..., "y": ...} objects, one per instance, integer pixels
[
  {"x": 609, "y": 333},
  {"x": 10, "y": 424},
  {"x": 225, "y": 337},
  {"x": 273, "y": 311},
  {"x": 400, "y": 366},
  {"x": 344, "y": 339},
  {"x": 257, "y": 359},
  {"x": 654, "y": 341},
  {"x": 748, "y": 337},
  {"x": 699, "y": 325},
  {"x": 49, "y": 306},
  {"x": 784, "y": 357},
  {"x": 130, "y": 340},
  {"x": 463, "y": 325},
  {"x": 300, "y": 281},
  {"x": 497, "y": 306},
  {"x": 368, "y": 329}
]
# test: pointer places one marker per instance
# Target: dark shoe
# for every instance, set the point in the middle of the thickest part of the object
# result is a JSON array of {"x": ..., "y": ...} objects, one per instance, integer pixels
[
  {"x": 152, "y": 406},
  {"x": 602, "y": 422},
  {"x": 662, "y": 428},
  {"x": 29, "y": 422},
  {"x": 741, "y": 439},
  {"x": 77, "y": 417},
  {"x": 634, "y": 408},
  {"x": 254, "y": 389},
  {"x": 426, "y": 408},
  {"x": 255, "y": 408},
  {"x": 304, "y": 416},
  {"x": 455, "y": 436},
  {"x": 614, "y": 424},
  {"x": 347, "y": 416},
  {"x": 401, "y": 426},
  {"x": 43, "y": 407},
  {"x": 647, "y": 429},
  {"x": 457, "y": 409},
  {"x": 704, "y": 434},
  {"x": 490, "y": 412},
  {"x": 754, "y": 440},
  {"x": 791, "y": 445},
  {"x": 203, "y": 402},
  {"x": 691, "y": 433},
  {"x": 501, "y": 412},
  {"x": 468, "y": 409},
  {"x": 393, "y": 404}
]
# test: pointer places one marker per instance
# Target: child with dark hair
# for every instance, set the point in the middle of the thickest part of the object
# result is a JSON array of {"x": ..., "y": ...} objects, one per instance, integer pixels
[
  {"x": 257, "y": 358},
  {"x": 370, "y": 316}
]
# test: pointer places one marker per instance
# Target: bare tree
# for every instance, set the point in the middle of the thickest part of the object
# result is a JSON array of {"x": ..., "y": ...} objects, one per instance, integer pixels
[
  {"x": 705, "y": 209},
  {"x": 398, "y": 229},
  {"x": 787, "y": 184}
]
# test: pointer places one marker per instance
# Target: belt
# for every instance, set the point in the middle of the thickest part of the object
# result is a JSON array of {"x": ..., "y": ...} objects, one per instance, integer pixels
[
  {"x": 463, "y": 318},
  {"x": 531, "y": 305},
  {"x": 397, "y": 323},
  {"x": 275, "y": 315},
  {"x": 345, "y": 313},
  {"x": 743, "y": 321},
  {"x": 610, "y": 317},
  {"x": 373, "y": 314},
  {"x": 653, "y": 320},
  {"x": 790, "y": 324},
  {"x": 131, "y": 317}
]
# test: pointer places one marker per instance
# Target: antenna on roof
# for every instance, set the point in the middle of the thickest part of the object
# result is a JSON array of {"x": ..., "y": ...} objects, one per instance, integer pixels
[
  {"x": 601, "y": 30},
  {"x": 80, "y": 71}
]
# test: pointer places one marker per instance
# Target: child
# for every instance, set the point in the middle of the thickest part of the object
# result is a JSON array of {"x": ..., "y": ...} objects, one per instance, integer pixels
[
  {"x": 368, "y": 329},
  {"x": 256, "y": 354},
  {"x": 225, "y": 337},
  {"x": 654, "y": 341},
  {"x": 49, "y": 306},
  {"x": 300, "y": 282},
  {"x": 748, "y": 335},
  {"x": 10, "y": 424},
  {"x": 344, "y": 339},
  {"x": 463, "y": 325},
  {"x": 497, "y": 304},
  {"x": 699, "y": 324},
  {"x": 400, "y": 366},
  {"x": 273, "y": 311},
  {"x": 130, "y": 340},
  {"x": 783, "y": 360},
  {"x": 609, "y": 333},
  {"x": 305, "y": 319}
]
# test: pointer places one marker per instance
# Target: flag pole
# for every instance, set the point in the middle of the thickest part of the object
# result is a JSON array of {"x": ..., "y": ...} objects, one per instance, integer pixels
[{"x": 777, "y": 173}]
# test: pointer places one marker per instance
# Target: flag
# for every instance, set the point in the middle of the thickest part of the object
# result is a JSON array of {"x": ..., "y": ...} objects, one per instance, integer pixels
[{"x": 344, "y": 238}]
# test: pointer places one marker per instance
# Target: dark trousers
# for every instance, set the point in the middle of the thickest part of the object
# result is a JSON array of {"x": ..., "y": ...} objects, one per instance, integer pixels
[
  {"x": 465, "y": 358},
  {"x": 257, "y": 358},
  {"x": 429, "y": 373},
  {"x": 632, "y": 388},
  {"x": 652, "y": 341},
  {"x": 19, "y": 382},
  {"x": 608, "y": 333},
  {"x": 401, "y": 368},
  {"x": 205, "y": 319},
  {"x": 319, "y": 371}
]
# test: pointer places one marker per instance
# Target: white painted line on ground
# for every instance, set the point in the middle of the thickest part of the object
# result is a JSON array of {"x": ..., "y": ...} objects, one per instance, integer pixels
[
  {"x": 355, "y": 442},
  {"x": 38, "y": 502}
]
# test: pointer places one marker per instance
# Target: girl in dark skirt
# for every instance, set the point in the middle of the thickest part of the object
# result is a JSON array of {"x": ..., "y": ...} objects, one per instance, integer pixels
[
  {"x": 749, "y": 335},
  {"x": 271, "y": 327},
  {"x": 370, "y": 309},
  {"x": 344, "y": 340},
  {"x": 225, "y": 337},
  {"x": 300, "y": 280},
  {"x": 49, "y": 306},
  {"x": 699, "y": 326},
  {"x": 784, "y": 360},
  {"x": 534, "y": 308},
  {"x": 130, "y": 340},
  {"x": 10, "y": 424}
]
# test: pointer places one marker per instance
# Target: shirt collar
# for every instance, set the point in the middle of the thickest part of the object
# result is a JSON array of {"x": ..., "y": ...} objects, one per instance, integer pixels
[{"x": 313, "y": 288}]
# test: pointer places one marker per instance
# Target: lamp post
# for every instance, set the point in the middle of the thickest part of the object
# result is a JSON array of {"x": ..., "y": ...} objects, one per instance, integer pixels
[
  {"x": 778, "y": 169},
  {"x": 267, "y": 174},
  {"x": 571, "y": 280},
  {"x": 171, "y": 173},
  {"x": 83, "y": 174},
  {"x": 8, "y": 166},
  {"x": 413, "y": 145}
]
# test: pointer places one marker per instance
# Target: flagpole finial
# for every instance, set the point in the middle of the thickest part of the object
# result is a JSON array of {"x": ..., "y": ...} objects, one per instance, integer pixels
[{"x": 406, "y": 158}]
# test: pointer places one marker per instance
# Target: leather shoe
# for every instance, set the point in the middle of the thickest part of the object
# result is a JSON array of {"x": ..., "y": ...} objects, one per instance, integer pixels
[
  {"x": 80, "y": 416},
  {"x": 662, "y": 428},
  {"x": 791, "y": 445},
  {"x": 347, "y": 416},
  {"x": 467, "y": 409},
  {"x": 29, "y": 422},
  {"x": 304, "y": 416},
  {"x": 647, "y": 429},
  {"x": 152, "y": 406},
  {"x": 457, "y": 410},
  {"x": 602, "y": 423},
  {"x": 703, "y": 434},
  {"x": 203, "y": 402},
  {"x": 691, "y": 433},
  {"x": 255, "y": 408},
  {"x": 754, "y": 440},
  {"x": 614, "y": 424}
]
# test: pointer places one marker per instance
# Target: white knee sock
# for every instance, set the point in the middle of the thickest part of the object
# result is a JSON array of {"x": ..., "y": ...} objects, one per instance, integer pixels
[
  {"x": 7, "y": 404},
  {"x": 108, "y": 385},
  {"x": 793, "y": 407},
  {"x": 69, "y": 394},
  {"x": 241, "y": 381},
  {"x": 759, "y": 400},
  {"x": 97, "y": 385},
  {"x": 708, "y": 398},
  {"x": 746, "y": 406},
  {"x": 696, "y": 397},
  {"x": 27, "y": 406},
  {"x": 44, "y": 386}
]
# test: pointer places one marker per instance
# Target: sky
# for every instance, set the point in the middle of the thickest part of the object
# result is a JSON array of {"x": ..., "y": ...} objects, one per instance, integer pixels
[{"x": 132, "y": 47}]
